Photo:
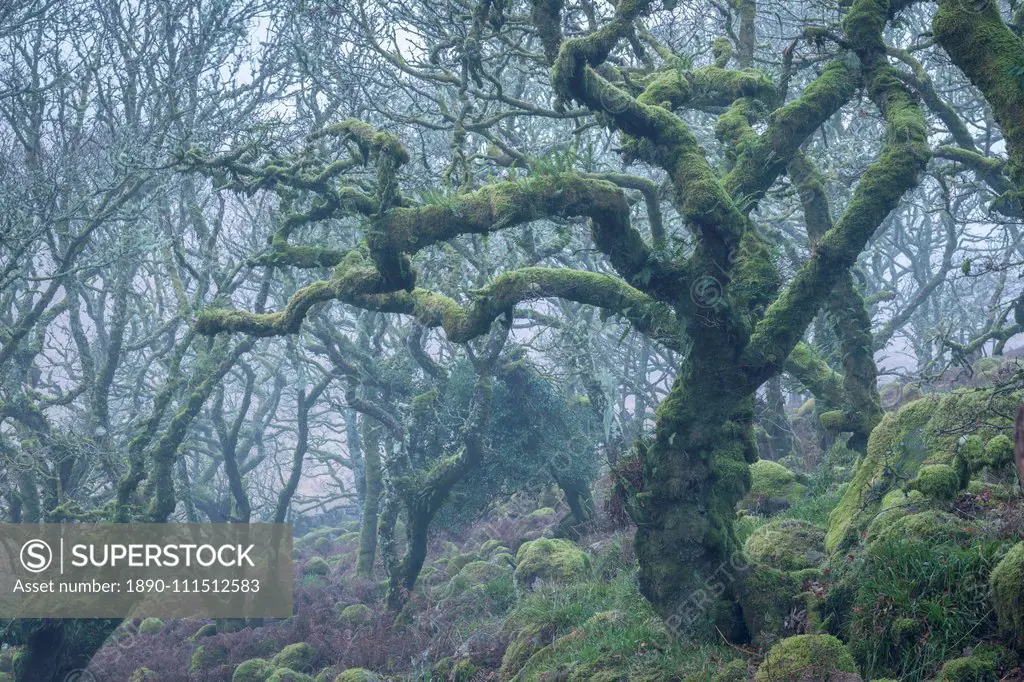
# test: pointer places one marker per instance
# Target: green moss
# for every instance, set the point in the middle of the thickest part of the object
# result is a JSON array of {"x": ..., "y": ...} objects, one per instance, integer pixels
[
  {"x": 542, "y": 514},
  {"x": 355, "y": 615},
  {"x": 151, "y": 626},
  {"x": 289, "y": 675},
  {"x": 526, "y": 642},
  {"x": 253, "y": 670},
  {"x": 733, "y": 671},
  {"x": 999, "y": 451},
  {"x": 205, "y": 657},
  {"x": 298, "y": 656},
  {"x": 969, "y": 669},
  {"x": 768, "y": 596},
  {"x": 316, "y": 566},
  {"x": 456, "y": 562},
  {"x": 930, "y": 526},
  {"x": 832, "y": 420},
  {"x": 1007, "y": 589},
  {"x": 550, "y": 561},
  {"x": 208, "y": 630},
  {"x": 804, "y": 657},
  {"x": 771, "y": 486},
  {"x": 896, "y": 449},
  {"x": 787, "y": 544},
  {"x": 475, "y": 573},
  {"x": 936, "y": 481},
  {"x": 357, "y": 675}
]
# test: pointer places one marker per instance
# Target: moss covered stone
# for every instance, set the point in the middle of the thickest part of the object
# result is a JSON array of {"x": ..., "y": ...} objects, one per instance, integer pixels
[
  {"x": 1007, "y": 585},
  {"x": 357, "y": 675},
  {"x": 805, "y": 657},
  {"x": 549, "y": 561},
  {"x": 316, "y": 566},
  {"x": 205, "y": 657},
  {"x": 768, "y": 596},
  {"x": 787, "y": 544},
  {"x": 355, "y": 614},
  {"x": 528, "y": 641},
  {"x": 969, "y": 669},
  {"x": 998, "y": 451},
  {"x": 475, "y": 573},
  {"x": 151, "y": 626},
  {"x": 937, "y": 481},
  {"x": 772, "y": 487},
  {"x": 253, "y": 670},
  {"x": 734, "y": 671},
  {"x": 896, "y": 450},
  {"x": 298, "y": 656},
  {"x": 289, "y": 675},
  {"x": 933, "y": 526}
]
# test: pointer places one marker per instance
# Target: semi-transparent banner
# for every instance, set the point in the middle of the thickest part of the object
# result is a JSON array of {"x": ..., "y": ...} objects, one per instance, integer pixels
[{"x": 164, "y": 570}]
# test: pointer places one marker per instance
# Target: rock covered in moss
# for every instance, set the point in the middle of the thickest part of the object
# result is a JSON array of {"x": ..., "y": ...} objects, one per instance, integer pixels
[
  {"x": 773, "y": 487},
  {"x": 1007, "y": 585},
  {"x": 208, "y": 630},
  {"x": 787, "y": 544},
  {"x": 289, "y": 675},
  {"x": 206, "y": 657},
  {"x": 355, "y": 614},
  {"x": 550, "y": 561},
  {"x": 768, "y": 596},
  {"x": 316, "y": 566},
  {"x": 357, "y": 675},
  {"x": 298, "y": 656},
  {"x": 475, "y": 573},
  {"x": 528, "y": 641},
  {"x": 896, "y": 449},
  {"x": 936, "y": 481},
  {"x": 806, "y": 657},
  {"x": 151, "y": 626},
  {"x": 253, "y": 670},
  {"x": 932, "y": 525},
  {"x": 733, "y": 671},
  {"x": 999, "y": 451}
]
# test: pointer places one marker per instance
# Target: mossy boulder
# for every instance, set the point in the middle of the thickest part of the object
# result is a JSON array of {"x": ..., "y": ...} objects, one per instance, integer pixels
[
  {"x": 773, "y": 488},
  {"x": 768, "y": 596},
  {"x": 151, "y": 626},
  {"x": 1007, "y": 594},
  {"x": 355, "y": 615},
  {"x": 936, "y": 481},
  {"x": 787, "y": 544},
  {"x": 969, "y": 669},
  {"x": 932, "y": 525},
  {"x": 289, "y": 675},
  {"x": 298, "y": 656},
  {"x": 896, "y": 449},
  {"x": 206, "y": 657},
  {"x": 999, "y": 451},
  {"x": 316, "y": 566},
  {"x": 475, "y": 573},
  {"x": 528, "y": 641},
  {"x": 208, "y": 630},
  {"x": 806, "y": 657},
  {"x": 733, "y": 671},
  {"x": 549, "y": 560},
  {"x": 357, "y": 675},
  {"x": 455, "y": 563},
  {"x": 253, "y": 670}
]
